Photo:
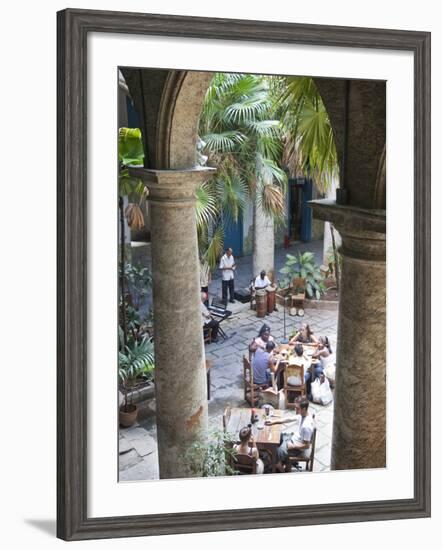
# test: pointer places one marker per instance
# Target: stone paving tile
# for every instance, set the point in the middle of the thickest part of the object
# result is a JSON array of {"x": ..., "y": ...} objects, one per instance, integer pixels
[
  {"x": 129, "y": 459},
  {"x": 124, "y": 445},
  {"x": 144, "y": 470},
  {"x": 145, "y": 446},
  {"x": 323, "y": 455}
]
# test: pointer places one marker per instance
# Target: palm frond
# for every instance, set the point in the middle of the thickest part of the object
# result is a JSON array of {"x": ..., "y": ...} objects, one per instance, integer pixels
[
  {"x": 215, "y": 247},
  {"x": 271, "y": 201},
  {"x": 222, "y": 142},
  {"x": 205, "y": 206}
]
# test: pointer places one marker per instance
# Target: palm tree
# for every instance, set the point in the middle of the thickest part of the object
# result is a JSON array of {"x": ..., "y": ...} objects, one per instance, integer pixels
[
  {"x": 243, "y": 139},
  {"x": 309, "y": 147}
]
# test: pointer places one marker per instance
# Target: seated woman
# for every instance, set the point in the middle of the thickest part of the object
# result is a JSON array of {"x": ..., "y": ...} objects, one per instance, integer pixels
[
  {"x": 327, "y": 358},
  {"x": 261, "y": 340},
  {"x": 304, "y": 335},
  {"x": 324, "y": 356},
  {"x": 247, "y": 446},
  {"x": 324, "y": 352}
]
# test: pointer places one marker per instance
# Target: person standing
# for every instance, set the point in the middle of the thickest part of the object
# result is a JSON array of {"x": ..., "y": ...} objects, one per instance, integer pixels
[{"x": 227, "y": 266}]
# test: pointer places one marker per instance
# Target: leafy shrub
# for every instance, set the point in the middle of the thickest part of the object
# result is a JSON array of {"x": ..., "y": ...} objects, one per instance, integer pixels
[
  {"x": 212, "y": 458},
  {"x": 304, "y": 266}
]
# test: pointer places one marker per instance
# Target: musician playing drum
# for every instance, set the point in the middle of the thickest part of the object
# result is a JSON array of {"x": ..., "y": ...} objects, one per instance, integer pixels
[
  {"x": 262, "y": 281},
  {"x": 263, "y": 284}
]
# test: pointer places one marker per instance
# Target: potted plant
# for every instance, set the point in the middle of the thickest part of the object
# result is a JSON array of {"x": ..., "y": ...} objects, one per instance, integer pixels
[
  {"x": 135, "y": 360},
  {"x": 304, "y": 267}
]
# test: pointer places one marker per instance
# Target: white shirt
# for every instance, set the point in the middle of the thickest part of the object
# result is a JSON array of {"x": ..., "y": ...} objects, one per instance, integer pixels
[
  {"x": 304, "y": 432},
  {"x": 227, "y": 262},
  {"x": 262, "y": 283}
]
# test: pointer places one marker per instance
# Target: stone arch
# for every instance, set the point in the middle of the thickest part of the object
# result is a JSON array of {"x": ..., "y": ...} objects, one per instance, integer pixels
[
  {"x": 180, "y": 110},
  {"x": 171, "y": 103}
]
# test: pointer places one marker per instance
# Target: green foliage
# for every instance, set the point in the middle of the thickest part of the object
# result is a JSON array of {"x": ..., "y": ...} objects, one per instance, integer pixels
[
  {"x": 309, "y": 141},
  {"x": 130, "y": 153},
  {"x": 213, "y": 457},
  {"x": 136, "y": 324},
  {"x": 130, "y": 147},
  {"x": 139, "y": 281},
  {"x": 305, "y": 266},
  {"x": 243, "y": 139},
  {"x": 135, "y": 361},
  {"x": 331, "y": 260}
]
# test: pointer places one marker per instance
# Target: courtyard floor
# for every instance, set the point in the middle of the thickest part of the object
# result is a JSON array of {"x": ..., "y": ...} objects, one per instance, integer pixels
[{"x": 138, "y": 458}]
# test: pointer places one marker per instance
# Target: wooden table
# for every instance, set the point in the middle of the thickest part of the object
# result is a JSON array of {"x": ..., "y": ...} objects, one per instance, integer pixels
[{"x": 268, "y": 438}]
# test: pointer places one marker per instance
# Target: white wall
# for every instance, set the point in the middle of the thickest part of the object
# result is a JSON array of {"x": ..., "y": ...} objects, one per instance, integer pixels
[{"x": 28, "y": 316}]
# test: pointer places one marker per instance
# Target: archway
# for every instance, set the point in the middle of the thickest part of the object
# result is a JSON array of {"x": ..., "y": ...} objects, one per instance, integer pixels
[{"x": 170, "y": 103}]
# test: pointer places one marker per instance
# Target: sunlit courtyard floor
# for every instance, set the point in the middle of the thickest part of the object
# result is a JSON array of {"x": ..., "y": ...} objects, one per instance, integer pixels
[{"x": 138, "y": 458}]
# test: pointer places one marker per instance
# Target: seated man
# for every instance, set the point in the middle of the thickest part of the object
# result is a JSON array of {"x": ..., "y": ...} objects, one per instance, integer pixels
[
  {"x": 299, "y": 442},
  {"x": 207, "y": 320},
  {"x": 263, "y": 362},
  {"x": 262, "y": 281}
]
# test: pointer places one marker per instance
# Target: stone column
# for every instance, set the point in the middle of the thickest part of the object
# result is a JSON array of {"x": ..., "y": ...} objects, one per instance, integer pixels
[
  {"x": 263, "y": 241},
  {"x": 359, "y": 424},
  {"x": 180, "y": 376}
]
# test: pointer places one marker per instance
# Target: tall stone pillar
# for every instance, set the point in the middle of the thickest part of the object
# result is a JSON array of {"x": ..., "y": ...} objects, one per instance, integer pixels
[
  {"x": 359, "y": 424},
  {"x": 180, "y": 376},
  {"x": 263, "y": 241}
]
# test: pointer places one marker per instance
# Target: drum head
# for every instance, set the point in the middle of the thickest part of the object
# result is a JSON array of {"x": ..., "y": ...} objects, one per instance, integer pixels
[
  {"x": 292, "y": 311},
  {"x": 301, "y": 312}
]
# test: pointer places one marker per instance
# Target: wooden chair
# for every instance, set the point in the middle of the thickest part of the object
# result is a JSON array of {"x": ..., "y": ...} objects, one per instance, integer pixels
[
  {"x": 290, "y": 390},
  {"x": 308, "y": 461},
  {"x": 207, "y": 334},
  {"x": 252, "y": 391},
  {"x": 298, "y": 292},
  {"x": 244, "y": 464}
]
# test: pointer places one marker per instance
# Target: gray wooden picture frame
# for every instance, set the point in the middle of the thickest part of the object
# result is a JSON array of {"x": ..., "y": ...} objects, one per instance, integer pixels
[{"x": 73, "y": 28}]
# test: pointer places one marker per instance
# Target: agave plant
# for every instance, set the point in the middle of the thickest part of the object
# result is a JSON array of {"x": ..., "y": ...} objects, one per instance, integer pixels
[
  {"x": 304, "y": 266},
  {"x": 134, "y": 360}
]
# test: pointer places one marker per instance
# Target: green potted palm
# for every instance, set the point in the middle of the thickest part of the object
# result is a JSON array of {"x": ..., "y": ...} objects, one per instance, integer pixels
[
  {"x": 136, "y": 364},
  {"x": 303, "y": 266}
]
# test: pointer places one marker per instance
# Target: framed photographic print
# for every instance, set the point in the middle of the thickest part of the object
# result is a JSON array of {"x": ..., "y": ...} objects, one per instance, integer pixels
[{"x": 243, "y": 274}]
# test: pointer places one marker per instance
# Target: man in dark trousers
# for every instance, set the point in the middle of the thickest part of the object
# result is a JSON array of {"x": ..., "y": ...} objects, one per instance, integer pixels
[{"x": 227, "y": 266}]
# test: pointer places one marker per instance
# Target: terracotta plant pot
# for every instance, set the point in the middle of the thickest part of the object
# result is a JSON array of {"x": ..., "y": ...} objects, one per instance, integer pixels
[{"x": 128, "y": 418}]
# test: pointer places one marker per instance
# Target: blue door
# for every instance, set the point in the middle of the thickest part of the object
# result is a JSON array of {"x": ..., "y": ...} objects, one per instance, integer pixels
[{"x": 233, "y": 236}]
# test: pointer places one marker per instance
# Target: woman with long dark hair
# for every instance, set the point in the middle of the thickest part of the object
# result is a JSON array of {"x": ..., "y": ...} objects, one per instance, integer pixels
[{"x": 304, "y": 335}]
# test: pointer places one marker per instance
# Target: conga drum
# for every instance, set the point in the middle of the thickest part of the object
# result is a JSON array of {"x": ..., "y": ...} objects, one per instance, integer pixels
[
  {"x": 271, "y": 299},
  {"x": 261, "y": 302}
]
